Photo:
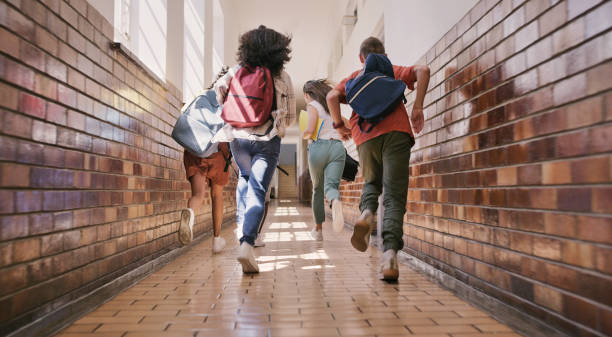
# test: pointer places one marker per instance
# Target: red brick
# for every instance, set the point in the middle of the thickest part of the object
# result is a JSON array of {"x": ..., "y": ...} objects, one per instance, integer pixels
[
  {"x": 598, "y": 78},
  {"x": 72, "y": 239},
  {"x": 56, "y": 113},
  {"x": 18, "y": 23},
  {"x": 553, "y": 18},
  {"x": 46, "y": 87},
  {"x": 598, "y": 229},
  {"x": 40, "y": 223},
  {"x": 44, "y": 132},
  {"x": 28, "y": 201},
  {"x": 9, "y": 43},
  {"x": 76, "y": 120},
  {"x": 598, "y": 21},
  {"x": 53, "y": 200},
  {"x": 26, "y": 250},
  {"x": 568, "y": 36},
  {"x": 66, "y": 95},
  {"x": 6, "y": 254},
  {"x": 8, "y": 96},
  {"x": 580, "y": 310},
  {"x": 32, "y": 105},
  {"x": 62, "y": 220},
  {"x": 555, "y": 173},
  {"x": 547, "y": 248},
  {"x": 603, "y": 259},
  {"x": 14, "y": 175},
  {"x": 68, "y": 14},
  {"x": 46, "y": 40},
  {"x": 40, "y": 270},
  {"x": 52, "y": 244},
  {"x": 570, "y": 89},
  {"x": 591, "y": 170},
  {"x": 12, "y": 279},
  {"x": 602, "y": 200},
  {"x": 31, "y": 55}
]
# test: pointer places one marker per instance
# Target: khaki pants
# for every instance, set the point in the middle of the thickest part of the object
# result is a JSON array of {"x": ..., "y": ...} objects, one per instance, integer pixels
[{"x": 385, "y": 162}]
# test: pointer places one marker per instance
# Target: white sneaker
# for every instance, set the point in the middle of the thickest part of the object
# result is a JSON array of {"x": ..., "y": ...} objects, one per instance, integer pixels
[
  {"x": 361, "y": 231},
  {"x": 389, "y": 270},
  {"x": 186, "y": 226},
  {"x": 317, "y": 235},
  {"x": 247, "y": 259},
  {"x": 218, "y": 244},
  {"x": 259, "y": 242},
  {"x": 238, "y": 231},
  {"x": 337, "y": 215}
]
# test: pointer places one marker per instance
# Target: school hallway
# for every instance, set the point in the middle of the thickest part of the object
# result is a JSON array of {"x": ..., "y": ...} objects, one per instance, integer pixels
[{"x": 304, "y": 288}]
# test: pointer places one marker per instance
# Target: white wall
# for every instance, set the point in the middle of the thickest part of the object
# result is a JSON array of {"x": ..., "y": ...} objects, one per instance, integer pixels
[
  {"x": 106, "y": 8},
  {"x": 148, "y": 28},
  {"x": 193, "y": 53},
  {"x": 413, "y": 27}
]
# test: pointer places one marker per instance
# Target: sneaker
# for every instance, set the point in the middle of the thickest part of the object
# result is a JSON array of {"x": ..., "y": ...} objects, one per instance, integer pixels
[
  {"x": 337, "y": 215},
  {"x": 361, "y": 231},
  {"x": 247, "y": 259},
  {"x": 218, "y": 244},
  {"x": 186, "y": 226},
  {"x": 388, "y": 266},
  {"x": 316, "y": 235},
  {"x": 259, "y": 241},
  {"x": 238, "y": 231}
]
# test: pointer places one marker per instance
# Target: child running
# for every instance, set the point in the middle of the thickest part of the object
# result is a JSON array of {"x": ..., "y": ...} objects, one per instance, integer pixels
[
  {"x": 255, "y": 128},
  {"x": 326, "y": 157},
  {"x": 212, "y": 171},
  {"x": 384, "y": 156}
]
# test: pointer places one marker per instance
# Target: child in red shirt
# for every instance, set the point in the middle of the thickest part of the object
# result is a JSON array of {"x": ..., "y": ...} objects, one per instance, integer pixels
[{"x": 384, "y": 156}]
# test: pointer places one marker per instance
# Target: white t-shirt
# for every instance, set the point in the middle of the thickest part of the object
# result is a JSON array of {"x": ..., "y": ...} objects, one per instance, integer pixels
[{"x": 327, "y": 129}]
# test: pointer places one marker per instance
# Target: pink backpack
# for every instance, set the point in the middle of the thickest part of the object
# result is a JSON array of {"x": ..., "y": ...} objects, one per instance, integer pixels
[{"x": 250, "y": 97}]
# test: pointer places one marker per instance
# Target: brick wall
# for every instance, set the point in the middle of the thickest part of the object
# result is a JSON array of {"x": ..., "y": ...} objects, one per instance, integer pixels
[
  {"x": 90, "y": 180},
  {"x": 510, "y": 188}
]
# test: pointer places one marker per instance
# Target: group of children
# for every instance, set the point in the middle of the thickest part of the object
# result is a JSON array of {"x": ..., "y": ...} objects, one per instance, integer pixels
[{"x": 383, "y": 146}]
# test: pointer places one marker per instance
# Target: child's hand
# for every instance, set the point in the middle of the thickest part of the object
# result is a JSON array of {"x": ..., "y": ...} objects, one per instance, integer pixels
[
  {"x": 345, "y": 133},
  {"x": 417, "y": 120}
]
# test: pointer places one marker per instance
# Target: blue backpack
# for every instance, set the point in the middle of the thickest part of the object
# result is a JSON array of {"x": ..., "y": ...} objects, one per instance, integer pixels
[
  {"x": 375, "y": 92},
  {"x": 198, "y": 123}
]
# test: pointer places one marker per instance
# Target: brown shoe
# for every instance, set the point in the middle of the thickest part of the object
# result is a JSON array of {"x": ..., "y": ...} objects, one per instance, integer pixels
[
  {"x": 389, "y": 270},
  {"x": 361, "y": 231}
]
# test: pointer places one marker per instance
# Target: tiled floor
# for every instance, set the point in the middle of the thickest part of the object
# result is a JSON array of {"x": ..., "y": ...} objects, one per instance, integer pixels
[{"x": 304, "y": 288}]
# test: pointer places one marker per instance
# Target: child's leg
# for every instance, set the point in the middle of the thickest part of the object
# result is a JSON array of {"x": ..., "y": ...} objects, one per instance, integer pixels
[
  {"x": 396, "y": 159},
  {"x": 263, "y": 164},
  {"x": 317, "y": 155},
  {"x": 370, "y": 160},
  {"x": 333, "y": 170},
  {"x": 216, "y": 194},
  {"x": 198, "y": 182}
]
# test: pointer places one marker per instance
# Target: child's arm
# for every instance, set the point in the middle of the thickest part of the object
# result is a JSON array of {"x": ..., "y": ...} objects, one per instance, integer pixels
[
  {"x": 333, "y": 104},
  {"x": 416, "y": 117},
  {"x": 312, "y": 122}
]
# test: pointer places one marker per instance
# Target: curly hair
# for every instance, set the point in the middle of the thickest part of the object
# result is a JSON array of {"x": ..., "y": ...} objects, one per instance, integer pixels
[{"x": 264, "y": 47}]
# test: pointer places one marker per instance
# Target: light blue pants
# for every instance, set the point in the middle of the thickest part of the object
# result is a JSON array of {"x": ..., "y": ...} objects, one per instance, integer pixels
[
  {"x": 326, "y": 163},
  {"x": 256, "y": 161}
]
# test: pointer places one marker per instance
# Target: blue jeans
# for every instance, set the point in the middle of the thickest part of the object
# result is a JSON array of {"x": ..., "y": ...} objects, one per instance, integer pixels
[{"x": 256, "y": 162}]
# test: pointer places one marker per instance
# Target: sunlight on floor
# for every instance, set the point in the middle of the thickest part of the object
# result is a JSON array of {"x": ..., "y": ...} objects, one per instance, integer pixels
[
  {"x": 285, "y": 211},
  {"x": 287, "y": 225}
]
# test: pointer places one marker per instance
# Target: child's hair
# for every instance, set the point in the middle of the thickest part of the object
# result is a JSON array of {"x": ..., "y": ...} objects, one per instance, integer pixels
[
  {"x": 264, "y": 47},
  {"x": 371, "y": 45},
  {"x": 318, "y": 90},
  {"x": 222, "y": 72}
]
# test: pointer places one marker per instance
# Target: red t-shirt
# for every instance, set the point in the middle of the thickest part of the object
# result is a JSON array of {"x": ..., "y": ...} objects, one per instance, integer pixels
[{"x": 395, "y": 121}]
